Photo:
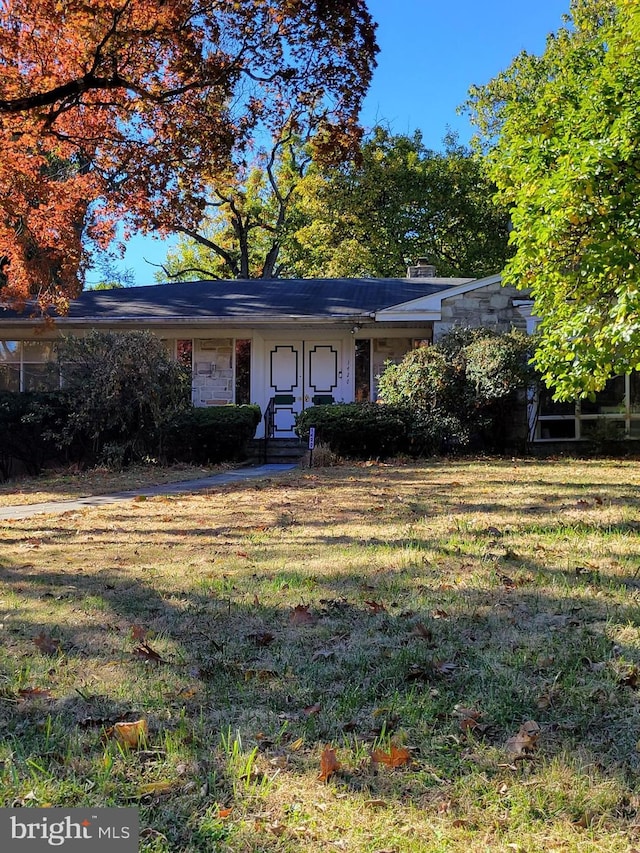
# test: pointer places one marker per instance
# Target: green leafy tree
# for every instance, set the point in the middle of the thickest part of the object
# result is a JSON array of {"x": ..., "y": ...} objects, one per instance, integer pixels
[
  {"x": 296, "y": 214},
  {"x": 241, "y": 233},
  {"x": 397, "y": 201},
  {"x": 123, "y": 390},
  {"x": 561, "y": 135}
]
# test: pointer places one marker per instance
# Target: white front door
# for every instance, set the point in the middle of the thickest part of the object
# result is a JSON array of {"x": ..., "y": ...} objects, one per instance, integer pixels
[
  {"x": 285, "y": 385},
  {"x": 302, "y": 374}
]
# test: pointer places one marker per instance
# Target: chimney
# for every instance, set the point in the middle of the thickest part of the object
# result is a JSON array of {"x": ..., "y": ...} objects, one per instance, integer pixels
[{"x": 422, "y": 269}]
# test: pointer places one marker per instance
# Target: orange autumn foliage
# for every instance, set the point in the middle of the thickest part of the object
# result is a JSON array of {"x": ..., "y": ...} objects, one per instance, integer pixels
[{"x": 117, "y": 112}]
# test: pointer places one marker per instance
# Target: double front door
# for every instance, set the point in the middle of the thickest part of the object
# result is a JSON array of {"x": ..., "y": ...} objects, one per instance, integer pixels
[{"x": 301, "y": 374}]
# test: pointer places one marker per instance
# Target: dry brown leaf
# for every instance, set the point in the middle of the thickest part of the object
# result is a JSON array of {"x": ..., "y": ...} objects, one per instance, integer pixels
[
  {"x": 421, "y": 630},
  {"x": 129, "y": 735},
  {"x": 376, "y": 607},
  {"x": 33, "y": 693},
  {"x": 47, "y": 644},
  {"x": 440, "y": 614},
  {"x": 138, "y": 633},
  {"x": 526, "y": 740},
  {"x": 628, "y": 677},
  {"x": 312, "y": 710},
  {"x": 300, "y": 615},
  {"x": 396, "y": 757},
  {"x": 224, "y": 813},
  {"x": 262, "y": 638},
  {"x": 329, "y": 764},
  {"x": 145, "y": 651}
]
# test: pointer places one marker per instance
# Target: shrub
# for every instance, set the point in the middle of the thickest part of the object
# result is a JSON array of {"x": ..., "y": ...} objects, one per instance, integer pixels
[
  {"x": 462, "y": 391},
  {"x": 29, "y": 425},
  {"x": 210, "y": 435},
  {"x": 357, "y": 430},
  {"x": 123, "y": 389}
]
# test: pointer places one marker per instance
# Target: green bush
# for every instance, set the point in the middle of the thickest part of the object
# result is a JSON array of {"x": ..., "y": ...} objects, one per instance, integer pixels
[
  {"x": 467, "y": 390},
  {"x": 30, "y": 423},
  {"x": 123, "y": 389},
  {"x": 211, "y": 435},
  {"x": 357, "y": 430}
]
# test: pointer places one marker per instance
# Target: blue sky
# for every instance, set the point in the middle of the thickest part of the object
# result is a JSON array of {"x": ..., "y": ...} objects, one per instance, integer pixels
[{"x": 431, "y": 52}]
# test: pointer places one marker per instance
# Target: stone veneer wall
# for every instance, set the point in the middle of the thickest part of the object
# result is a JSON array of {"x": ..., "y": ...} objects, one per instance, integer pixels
[
  {"x": 490, "y": 306},
  {"x": 213, "y": 372}
]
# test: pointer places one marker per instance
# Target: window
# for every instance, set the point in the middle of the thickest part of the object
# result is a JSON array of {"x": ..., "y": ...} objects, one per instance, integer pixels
[
  {"x": 9, "y": 365},
  {"x": 243, "y": 372},
  {"x": 613, "y": 413},
  {"x": 363, "y": 371},
  {"x": 39, "y": 368}
]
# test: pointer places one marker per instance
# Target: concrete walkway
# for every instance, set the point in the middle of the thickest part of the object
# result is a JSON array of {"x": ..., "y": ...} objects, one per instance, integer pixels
[{"x": 15, "y": 513}]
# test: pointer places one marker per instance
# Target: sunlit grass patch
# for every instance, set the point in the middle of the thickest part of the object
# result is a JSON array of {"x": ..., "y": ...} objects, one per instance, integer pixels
[{"x": 416, "y": 613}]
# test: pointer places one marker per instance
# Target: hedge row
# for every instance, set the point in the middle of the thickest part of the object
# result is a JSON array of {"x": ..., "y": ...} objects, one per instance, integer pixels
[
  {"x": 216, "y": 434},
  {"x": 34, "y": 433},
  {"x": 357, "y": 430}
]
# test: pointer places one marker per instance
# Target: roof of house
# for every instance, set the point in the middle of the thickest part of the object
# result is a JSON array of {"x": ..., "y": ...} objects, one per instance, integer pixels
[{"x": 250, "y": 300}]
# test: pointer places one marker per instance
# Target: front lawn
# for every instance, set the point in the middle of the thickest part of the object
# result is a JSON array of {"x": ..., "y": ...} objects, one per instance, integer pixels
[{"x": 425, "y": 657}]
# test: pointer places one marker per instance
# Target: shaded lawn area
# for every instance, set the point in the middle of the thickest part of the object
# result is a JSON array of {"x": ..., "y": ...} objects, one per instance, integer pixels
[{"x": 337, "y": 659}]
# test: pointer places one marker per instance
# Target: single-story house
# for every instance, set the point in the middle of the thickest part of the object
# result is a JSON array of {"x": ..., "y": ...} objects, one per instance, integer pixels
[{"x": 298, "y": 342}]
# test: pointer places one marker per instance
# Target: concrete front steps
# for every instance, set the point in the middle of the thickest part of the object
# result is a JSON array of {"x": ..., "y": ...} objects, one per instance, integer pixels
[{"x": 279, "y": 450}]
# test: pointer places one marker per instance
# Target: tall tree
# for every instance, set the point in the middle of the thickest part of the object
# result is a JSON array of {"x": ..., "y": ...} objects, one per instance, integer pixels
[
  {"x": 561, "y": 132},
  {"x": 122, "y": 110},
  {"x": 391, "y": 201},
  {"x": 398, "y": 201},
  {"x": 247, "y": 212}
]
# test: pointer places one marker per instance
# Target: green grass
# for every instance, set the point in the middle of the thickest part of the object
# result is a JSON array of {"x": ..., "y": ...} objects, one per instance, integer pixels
[{"x": 350, "y": 608}]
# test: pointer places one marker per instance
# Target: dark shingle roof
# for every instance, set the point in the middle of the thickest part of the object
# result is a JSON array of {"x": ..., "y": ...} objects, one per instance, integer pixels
[{"x": 252, "y": 299}]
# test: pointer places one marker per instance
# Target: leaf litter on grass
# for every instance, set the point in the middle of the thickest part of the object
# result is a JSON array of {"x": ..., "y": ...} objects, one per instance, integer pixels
[{"x": 292, "y": 684}]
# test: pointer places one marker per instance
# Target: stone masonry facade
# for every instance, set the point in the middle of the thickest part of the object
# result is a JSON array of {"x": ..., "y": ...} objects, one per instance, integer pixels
[
  {"x": 491, "y": 306},
  {"x": 213, "y": 372}
]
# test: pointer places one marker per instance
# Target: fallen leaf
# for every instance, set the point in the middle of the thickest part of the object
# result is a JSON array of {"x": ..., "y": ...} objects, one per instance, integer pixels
[
  {"x": 130, "y": 735},
  {"x": 312, "y": 710},
  {"x": 628, "y": 677},
  {"x": 329, "y": 764},
  {"x": 421, "y": 630},
  {"x": 33, "y": 693},
  {"x": 440, "y": 614},
  {"x": 261, "y": 639},
  {"x": 145, "y": 651},
  {"x": 224, "y": 813},
  {"x": 526, "y": 740},
  {"x": 446, "y": 668},
  {"x": 47, "y": 644},
  {"x": 138, "y": 633},
  {"x": 465, "y": 713},
  {"x": 300, "y": 615},
  {"x": 396, "y": 757},
  {"x": 376, "y": 607}
]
